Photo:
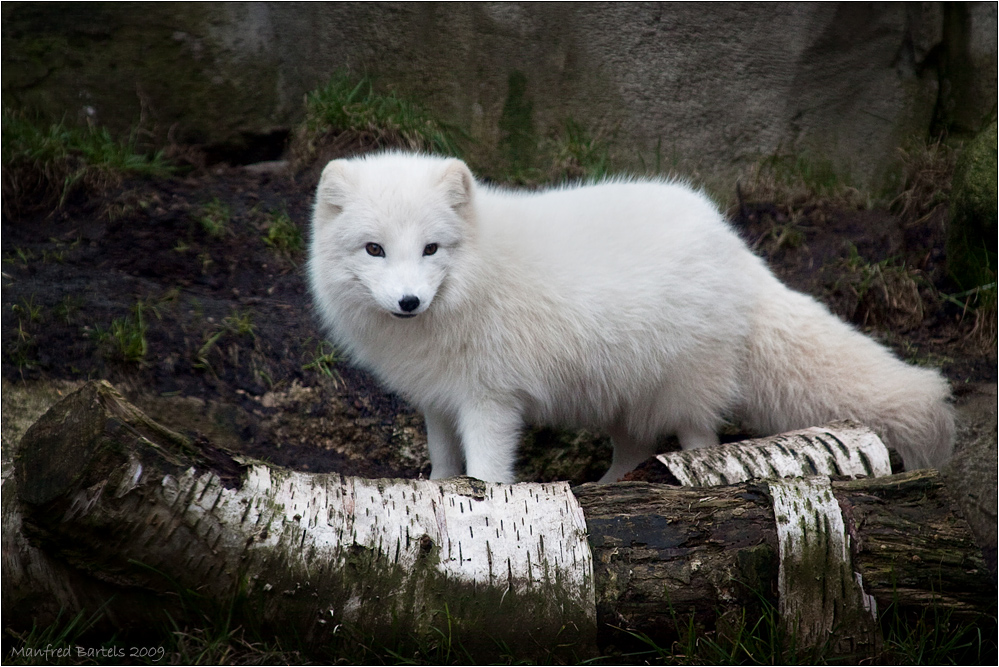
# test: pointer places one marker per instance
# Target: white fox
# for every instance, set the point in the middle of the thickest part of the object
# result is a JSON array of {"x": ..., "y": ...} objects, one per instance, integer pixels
[{"x": 628, "y": 306}]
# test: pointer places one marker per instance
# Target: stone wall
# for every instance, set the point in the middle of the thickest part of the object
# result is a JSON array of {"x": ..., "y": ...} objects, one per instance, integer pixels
[{"x": 703, "y": 88}]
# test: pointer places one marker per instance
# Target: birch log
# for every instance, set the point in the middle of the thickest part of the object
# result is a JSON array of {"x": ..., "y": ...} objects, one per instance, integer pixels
[
  {"x": 842, "y": 449},
  {"x": 113, "y": 502},
  {"x": 126, "y": 501}
]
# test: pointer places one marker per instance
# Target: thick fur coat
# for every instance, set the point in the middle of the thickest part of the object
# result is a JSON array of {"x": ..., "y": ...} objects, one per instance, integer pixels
[{"x": 626, "y": 306}]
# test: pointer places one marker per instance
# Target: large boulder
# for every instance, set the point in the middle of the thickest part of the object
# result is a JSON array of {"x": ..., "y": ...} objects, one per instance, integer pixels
[{"x": 699, "y": 88}]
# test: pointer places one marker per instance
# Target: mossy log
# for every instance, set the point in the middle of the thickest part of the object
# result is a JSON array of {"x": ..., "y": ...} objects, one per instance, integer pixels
[
  {"x": 109, "y": 503},
  {"x": 666, "y": 557}
]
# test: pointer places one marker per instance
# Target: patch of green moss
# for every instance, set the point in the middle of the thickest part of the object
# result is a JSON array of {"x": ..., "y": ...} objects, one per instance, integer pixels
[
  {"x": 518, "y": 139},
  {"x": 114, "y": 63},
  {"x": 971, "y": 237}
]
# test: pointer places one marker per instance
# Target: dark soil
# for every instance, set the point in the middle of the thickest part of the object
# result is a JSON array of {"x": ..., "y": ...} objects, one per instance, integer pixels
[{"x": 69, "y": 275}]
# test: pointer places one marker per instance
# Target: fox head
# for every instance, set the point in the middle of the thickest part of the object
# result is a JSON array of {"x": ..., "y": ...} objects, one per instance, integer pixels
[{"x": 389, "y": 229}]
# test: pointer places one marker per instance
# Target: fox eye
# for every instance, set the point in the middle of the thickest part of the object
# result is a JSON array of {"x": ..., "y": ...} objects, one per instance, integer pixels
[
  {"x": 430, "y": 249},
  {"x": 375, "y": 250}
]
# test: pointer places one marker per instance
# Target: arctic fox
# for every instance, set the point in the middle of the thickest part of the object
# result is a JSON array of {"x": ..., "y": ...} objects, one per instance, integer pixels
[{"x": 628, "y": 306}]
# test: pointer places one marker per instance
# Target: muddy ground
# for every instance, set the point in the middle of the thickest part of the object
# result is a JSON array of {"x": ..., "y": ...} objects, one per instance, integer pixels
[{"x": 232, "y": 348}]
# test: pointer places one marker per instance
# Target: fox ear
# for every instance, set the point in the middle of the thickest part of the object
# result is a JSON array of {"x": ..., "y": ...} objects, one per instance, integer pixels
[
  {"x": 335, "y": 187},
  {"x": 458, "y": 185}
]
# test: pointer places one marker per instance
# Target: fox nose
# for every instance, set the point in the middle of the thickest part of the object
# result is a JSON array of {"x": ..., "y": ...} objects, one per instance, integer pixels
[{"x": 409, "y": 303}]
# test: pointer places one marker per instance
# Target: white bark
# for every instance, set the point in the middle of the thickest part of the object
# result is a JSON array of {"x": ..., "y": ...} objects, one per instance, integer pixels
[
  {"x": 817, "y": 586},
  {"x": 519, "y": 538},
  {"x": 840, "y": 448}
]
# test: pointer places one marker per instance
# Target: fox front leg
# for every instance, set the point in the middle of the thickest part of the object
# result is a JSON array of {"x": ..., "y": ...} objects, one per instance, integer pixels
[
  {"x": 490, "y": 433},
  {"x": 443, "y": 445}
]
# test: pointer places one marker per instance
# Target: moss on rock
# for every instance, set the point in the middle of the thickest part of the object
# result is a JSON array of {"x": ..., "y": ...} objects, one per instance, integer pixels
[{"x": 971, "y": 238}]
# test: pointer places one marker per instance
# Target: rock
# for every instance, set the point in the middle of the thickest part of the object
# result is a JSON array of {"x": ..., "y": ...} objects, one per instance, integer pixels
[
  {"x": 703, "y": 89},
  {"x": 972, "y": 474},
  {"x": 967, "y": 67}
]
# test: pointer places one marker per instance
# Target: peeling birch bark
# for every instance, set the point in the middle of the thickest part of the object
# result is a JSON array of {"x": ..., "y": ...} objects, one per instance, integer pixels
[
  {"x": 37, "y": 585},
  {"x": 842, "y": 449},
  {"x": 459, "y": 533},
  {"x": 818, "y": 589}
]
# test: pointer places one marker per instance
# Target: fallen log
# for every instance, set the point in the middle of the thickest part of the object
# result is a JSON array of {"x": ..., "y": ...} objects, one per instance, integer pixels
[
  {"x": 665, "y": 557},
  {"x": 110, "y": 501},
  {"x": 130, "y": 503}
]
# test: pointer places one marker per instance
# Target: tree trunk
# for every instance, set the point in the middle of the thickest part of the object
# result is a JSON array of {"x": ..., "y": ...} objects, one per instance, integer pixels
[{"x": 115, "y": 503}]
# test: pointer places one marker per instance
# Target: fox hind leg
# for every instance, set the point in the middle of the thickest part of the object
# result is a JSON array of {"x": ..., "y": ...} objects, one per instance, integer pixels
[
  {"x": 629, "y": 453},
  {"x": 696, "y": 438}
]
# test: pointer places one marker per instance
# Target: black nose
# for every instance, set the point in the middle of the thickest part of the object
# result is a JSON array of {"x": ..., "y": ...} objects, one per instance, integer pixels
[{"x": 409, "y": 303}]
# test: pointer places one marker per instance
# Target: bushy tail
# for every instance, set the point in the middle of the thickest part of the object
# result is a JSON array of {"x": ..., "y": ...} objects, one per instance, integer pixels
[{"x": 806, "y": 367}]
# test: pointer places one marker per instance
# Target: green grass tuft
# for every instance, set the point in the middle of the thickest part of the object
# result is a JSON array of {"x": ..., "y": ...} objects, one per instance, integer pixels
[
  {"x": 570, "y": 153},
  {"x": 128, "y": 335},
  {"x": 348, "y": 115},
  {"x": 798, "y": 182},
  {"x": 884, "y": 294},
  {"x": 936, "y": 637},
  {"x": 215, "y": 218},
  {"x": 927, "y": 170},
  {"x": 283, "y": 236},
  {"x": 237, "y": 324},
  {"x": 28, "y": 309},
  {"x": 578, "y": 155},
  {"x": 43, "y": 164},
  {"x": 323, "y": 361},
  {"x": 58, "y": 643}
]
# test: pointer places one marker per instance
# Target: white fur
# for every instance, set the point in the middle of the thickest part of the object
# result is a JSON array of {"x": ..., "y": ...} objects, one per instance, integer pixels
[{"x": 629, "y": 306}]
